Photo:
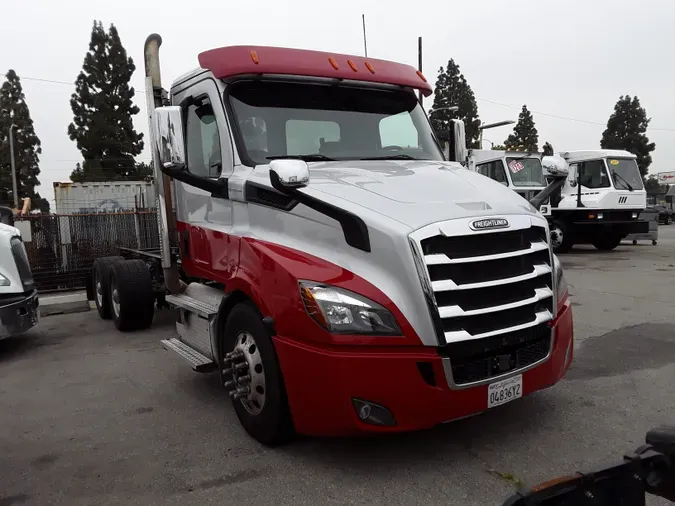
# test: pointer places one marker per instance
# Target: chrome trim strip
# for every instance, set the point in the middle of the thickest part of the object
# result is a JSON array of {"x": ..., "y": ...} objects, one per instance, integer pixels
[
  {"x": 454, "y": 311},
  {"x": 440, "y": 259},
  {"x": 447, "y": 284},
  {"x": 463, "y": 335}
]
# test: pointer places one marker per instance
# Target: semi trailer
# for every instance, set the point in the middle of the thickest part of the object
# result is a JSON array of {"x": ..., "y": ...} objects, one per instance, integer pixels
[
  {"x": 599, "y": 202},
  {"x": 323, "y": 257}
]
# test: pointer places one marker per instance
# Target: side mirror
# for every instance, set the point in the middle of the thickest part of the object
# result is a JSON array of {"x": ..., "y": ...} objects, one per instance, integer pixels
[
  {"x": 170, "y": 138},
  {"x": 457, "y": 137},
  {"x": 289, "y": 174},
  {"x": 555, "y": 165},
  {"x": 573, "y": 175}
]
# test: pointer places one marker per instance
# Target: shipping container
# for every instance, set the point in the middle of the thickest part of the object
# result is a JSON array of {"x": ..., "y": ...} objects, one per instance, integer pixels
[{"x": 104, "y": 196}]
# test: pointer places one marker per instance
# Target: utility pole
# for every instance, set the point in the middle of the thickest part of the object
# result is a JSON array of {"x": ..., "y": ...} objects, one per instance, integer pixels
[
  {"x": 365, "y": 45},
  {"x": 15, "y": 191}
]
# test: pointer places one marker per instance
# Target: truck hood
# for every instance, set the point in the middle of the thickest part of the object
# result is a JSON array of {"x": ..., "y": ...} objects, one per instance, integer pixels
[
  {"x": 414, "y": 193},
  {"x": 8, "y": 230}
]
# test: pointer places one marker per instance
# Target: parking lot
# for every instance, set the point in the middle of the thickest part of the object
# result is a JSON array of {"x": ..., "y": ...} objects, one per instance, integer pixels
[{"x": 92, "y": 416}]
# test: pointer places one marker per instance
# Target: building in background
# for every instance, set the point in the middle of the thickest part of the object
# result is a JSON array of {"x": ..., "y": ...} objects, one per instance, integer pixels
[{"x": 103, "y": 197}]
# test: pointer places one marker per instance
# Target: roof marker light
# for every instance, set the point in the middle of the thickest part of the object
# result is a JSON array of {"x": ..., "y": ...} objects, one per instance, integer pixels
[
  {"x": 333, "y": 63},
  {"x": 421, "y": 76},
  {"x": 352, "y": 65},
  {"x": 370, "y": 67},
  {"x": 254, "y": 57}
]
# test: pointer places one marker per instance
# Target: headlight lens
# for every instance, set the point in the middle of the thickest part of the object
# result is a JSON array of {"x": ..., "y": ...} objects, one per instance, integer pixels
[
  {"x": 560, "y": 282},
  {"x": 340, "y": 311},
  {"x": 4, "y": 281}
]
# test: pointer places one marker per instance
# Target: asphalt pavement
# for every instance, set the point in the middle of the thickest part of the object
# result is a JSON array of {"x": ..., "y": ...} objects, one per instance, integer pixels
[{"x": 92, "y": 416}]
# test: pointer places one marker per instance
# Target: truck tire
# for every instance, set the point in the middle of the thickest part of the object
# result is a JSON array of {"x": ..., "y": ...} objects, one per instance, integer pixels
[
  {"x": 132, "y": 299},
  {"x": 100, "y": 275},
  {"x": 561, "y": 238},
  {"x": 264, "y": 412},
  {"x": 607, "y": 242}
]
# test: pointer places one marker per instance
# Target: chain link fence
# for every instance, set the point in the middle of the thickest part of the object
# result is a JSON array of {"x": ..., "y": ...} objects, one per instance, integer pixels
[{"x": 62, "y": 247}]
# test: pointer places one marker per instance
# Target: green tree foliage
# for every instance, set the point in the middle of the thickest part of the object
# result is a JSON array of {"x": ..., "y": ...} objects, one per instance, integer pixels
[
  {"x": 453, "y": 90},
  {"x": 626, "y": 129},
  {"x": 103, "y": 108},
  {"x": 652, "y": 186},
  {"x": 524, "y": 136},
  {"x": 499, "y": 147},
  {"x": 14, "y": 111}
]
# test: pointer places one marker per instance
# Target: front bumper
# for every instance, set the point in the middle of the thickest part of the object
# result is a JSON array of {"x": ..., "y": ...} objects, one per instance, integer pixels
[
  {"x": 623, "y": 227},
  {"x": 321, "y": 383},
  {"x": 19, "y": 316}
]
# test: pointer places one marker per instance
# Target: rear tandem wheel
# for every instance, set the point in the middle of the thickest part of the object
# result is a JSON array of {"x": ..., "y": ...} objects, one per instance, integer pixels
[{"x": 132, "y": 299}]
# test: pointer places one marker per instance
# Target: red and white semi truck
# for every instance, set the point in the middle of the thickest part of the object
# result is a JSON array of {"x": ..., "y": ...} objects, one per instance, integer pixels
[{"x": 325, "y": 259}]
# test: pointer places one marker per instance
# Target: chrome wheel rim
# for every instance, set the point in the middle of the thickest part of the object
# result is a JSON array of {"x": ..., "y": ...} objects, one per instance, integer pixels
[
  {"x": 115, "y": 299},
  {"x": 254, "y": 400},
  {"x": 556, "y": 237},
  {"x": 99, "y": 291}
]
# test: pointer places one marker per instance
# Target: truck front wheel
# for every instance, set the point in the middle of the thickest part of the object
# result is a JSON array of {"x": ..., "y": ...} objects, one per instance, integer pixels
[
  {"x": 561, "y": 238},
  {"x": 253, "y": 377},
  {"x": 100, "y": 273},
  {"x": 607, "y": 242},
  {"x": 132, "y": 300}
]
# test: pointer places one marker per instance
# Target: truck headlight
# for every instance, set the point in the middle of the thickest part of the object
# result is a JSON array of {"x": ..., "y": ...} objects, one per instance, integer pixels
[
  {"x": 560, "y": 281},
  {"x": 4, "y": 281},
  {"x": 340, "y": 311}
]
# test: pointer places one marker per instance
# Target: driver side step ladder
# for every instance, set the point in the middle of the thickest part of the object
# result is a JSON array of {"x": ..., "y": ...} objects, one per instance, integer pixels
[{"x": 193, "y": 325}]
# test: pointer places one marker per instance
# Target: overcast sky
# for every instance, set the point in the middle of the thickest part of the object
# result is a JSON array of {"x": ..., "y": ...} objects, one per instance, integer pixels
[{"x": 568, "y": 58}]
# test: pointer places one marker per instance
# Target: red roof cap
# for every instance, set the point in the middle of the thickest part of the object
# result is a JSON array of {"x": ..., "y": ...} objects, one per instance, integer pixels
[{"x": 236, "y": 60}]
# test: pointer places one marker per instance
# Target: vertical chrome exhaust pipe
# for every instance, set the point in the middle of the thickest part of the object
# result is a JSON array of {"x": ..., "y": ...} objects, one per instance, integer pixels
[{"x": 165, "y": 217}]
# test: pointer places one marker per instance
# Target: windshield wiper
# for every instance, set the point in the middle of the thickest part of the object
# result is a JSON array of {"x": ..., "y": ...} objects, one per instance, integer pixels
[
  {"x": 628, "y": 186},
  {"x": 306, "y": 158},
  {"x": 391, "y": 157}
]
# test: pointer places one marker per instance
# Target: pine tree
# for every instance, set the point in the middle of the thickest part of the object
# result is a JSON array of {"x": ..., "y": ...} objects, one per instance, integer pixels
[
  {"x": 626, "y": 129},
  {"x": 524, "y": 136},
  {"x": 453, "y": 90},
  {"x": 103, "y": 107},
  {"x": 14, "y": 111}
]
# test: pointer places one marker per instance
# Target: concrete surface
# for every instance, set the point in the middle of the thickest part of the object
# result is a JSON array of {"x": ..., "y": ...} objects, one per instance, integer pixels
[
  {"x": 63, "y": 303},
  {"x": 93, "y": 416}
]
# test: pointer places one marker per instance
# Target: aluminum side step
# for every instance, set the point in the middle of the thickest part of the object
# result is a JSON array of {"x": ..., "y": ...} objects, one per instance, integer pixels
[
  {"x": 199, "y": 362},
  {"x": 193, "y": 305}
]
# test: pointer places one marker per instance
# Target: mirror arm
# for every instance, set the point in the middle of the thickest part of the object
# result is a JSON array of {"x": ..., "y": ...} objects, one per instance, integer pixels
[
  {"x": 217, "y": 187},
  {"x": 539, "y": 198}
]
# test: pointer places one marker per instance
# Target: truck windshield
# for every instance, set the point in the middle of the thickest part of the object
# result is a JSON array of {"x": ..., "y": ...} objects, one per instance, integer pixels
[
  {"x": 625, "y": 174},
  {"x": 525, "y": 171},
  {"x": 328, "y": 122}
]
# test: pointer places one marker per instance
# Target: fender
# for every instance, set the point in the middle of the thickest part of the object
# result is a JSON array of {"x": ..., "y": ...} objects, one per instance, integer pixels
[{"x": 268, "y": 275}]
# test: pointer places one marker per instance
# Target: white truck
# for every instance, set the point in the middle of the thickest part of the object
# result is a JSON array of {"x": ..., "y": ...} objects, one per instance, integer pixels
[
  {"x": 599, "y": 202},
  {"x": 18, "y": 296},
  {"x": 325, "y": 260}
]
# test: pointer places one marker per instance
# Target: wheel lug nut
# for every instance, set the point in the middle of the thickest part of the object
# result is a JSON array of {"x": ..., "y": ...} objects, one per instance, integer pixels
[
  {"x": 243, "y": 379},
  {"x": 241, "y": 367},
  {"x": 227, "y": 372},
  {"x": 229, "y": 384}
]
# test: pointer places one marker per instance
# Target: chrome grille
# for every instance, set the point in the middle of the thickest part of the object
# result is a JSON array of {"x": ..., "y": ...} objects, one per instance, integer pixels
[
  {"x": 22, "y": 264},
  {"x": 489, "y": 283}
]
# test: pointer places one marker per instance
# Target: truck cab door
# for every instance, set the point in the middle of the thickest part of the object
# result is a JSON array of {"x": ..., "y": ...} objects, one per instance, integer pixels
[{"x": 205, "y": 222}]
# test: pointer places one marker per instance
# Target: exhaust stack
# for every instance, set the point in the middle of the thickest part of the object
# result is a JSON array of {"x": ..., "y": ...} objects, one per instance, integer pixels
[{"x": 165, "y": 216}]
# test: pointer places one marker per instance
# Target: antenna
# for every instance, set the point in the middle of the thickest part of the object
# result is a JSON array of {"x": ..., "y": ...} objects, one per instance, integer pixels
[{"x": 365, "y": 44}]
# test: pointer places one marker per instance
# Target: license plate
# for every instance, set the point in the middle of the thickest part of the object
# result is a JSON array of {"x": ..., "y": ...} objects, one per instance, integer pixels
[{"x": 501, "y": 392}]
